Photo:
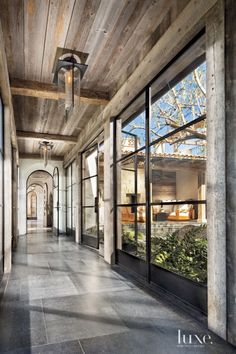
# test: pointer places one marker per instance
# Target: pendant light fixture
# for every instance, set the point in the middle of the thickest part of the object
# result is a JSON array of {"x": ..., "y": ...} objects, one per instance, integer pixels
[
  {"x": 69, "y": 69},
  {"x": 45, "y": 150}
]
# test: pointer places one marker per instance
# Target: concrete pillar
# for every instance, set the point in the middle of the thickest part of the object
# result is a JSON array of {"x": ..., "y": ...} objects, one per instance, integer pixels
[
  {"x": 118, "y": 183},
  {"x": 79, "y": 210},
  {"x": 7, "y": 191},
  {"x": 230, "y": 72},
  {"x": 14, "y": 198},
  {"x": 216, "y": 192},
  {"x": 109, "y": 249},
  {"x": 77, "y": 200}
]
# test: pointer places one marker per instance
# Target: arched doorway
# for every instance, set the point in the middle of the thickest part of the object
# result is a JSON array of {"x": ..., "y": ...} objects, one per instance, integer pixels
[
  {"x": 31, "y": 205},
  {"x": 39, "y": 189}
]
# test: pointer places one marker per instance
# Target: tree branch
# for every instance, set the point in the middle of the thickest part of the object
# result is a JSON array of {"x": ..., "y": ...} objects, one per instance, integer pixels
[{"x": 197, "y": 79}]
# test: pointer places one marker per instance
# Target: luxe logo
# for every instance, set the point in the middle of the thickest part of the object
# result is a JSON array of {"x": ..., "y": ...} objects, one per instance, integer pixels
[{"x": 193, "y": 339}]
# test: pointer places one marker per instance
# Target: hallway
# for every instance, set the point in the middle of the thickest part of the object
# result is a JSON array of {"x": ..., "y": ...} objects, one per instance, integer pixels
[{"x": 63, "y": 298}]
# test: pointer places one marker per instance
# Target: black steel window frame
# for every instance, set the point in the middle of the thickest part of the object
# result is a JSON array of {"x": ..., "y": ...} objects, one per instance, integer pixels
[
  {"x": 73, "y": 164},
  {"x": 149, "y": 100},
  {"x": 86, "y": 239},
  {"x": 69, "y": 189},
  {"x": 56, "y": 187}
]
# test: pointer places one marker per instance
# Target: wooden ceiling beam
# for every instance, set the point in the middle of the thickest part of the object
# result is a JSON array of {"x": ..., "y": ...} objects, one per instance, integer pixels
[
  {"x": 5, "y": 91},
  {"x": 23, "y": 135},
  {"x": 29, "y": 88},
  {"x": 189, "y": 22}
]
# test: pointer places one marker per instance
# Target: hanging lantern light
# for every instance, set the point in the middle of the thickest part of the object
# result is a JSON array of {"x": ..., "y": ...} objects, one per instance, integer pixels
[
  {"x": 45, "y": 150},
  {"x": 69, "y": 70}
]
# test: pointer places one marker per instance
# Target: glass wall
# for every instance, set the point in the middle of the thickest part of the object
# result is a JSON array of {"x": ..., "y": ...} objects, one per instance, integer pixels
[
  {"x": 131, "y": 197},
  {"x": 160, "y": 166},
  {"x": 74, "y": 178},
  {"x": 71, "y": 190},
  {"x": 101, "y": 196},
  {"x": 89, "y": 196},
  {"x": 68, "y": 201},
  {"x": 177, "y": 177},
  {"x": 56, "y": 201},
  {"x": 93, "y": 195}
]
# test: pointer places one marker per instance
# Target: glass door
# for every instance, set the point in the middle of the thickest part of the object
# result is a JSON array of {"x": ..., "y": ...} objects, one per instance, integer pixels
[
  {"x": 101, "y": 197},
  {"x": 56, "y": 201},
  {"x": 90, "y": 218}
]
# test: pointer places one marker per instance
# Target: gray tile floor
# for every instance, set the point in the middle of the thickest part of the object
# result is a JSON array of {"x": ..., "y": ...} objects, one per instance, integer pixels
[{"x": 63, "y": 298}]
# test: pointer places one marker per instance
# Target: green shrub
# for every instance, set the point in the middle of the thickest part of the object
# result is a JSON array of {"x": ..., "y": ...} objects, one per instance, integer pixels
[
  {"x": 129, "y": 243},
  {"x": 184, "y": 252},
  {"x": 128, "y": 235}
]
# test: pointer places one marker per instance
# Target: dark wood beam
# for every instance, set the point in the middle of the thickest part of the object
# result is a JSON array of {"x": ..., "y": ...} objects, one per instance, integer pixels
[
  {"x": 49, "y": 91},
  {"x": 5, "y": 89},
  {"x": 23, "y": 135}
]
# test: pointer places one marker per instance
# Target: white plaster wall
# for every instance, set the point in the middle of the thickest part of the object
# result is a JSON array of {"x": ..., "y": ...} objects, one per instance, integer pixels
[
  {"x": 27, "y": 166},
  {"x": 187, "y": 184}
]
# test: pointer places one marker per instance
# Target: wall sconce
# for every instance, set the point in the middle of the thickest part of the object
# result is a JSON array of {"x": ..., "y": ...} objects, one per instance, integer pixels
[
  {"x": 45, "y": 150},
  {"x": 69, "y": 69}
]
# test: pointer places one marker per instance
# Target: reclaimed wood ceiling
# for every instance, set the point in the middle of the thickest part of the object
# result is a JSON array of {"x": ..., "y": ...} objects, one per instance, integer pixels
[{"x": 117, "y": 34}]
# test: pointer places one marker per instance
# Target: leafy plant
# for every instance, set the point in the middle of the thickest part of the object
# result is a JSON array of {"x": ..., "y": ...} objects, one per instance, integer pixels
[
  {"x": 184, "y": 253},
  {"x": 128, "y": 235},
  {"x": 129, "y": 243}
]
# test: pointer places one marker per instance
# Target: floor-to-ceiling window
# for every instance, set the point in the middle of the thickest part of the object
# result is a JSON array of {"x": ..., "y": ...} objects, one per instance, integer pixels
[
  {"x": 160, "y": 166},
  {"x": 89, "y": 197},
  {"x": 93, "y": 195},
  {"x": 56, "y": 201},
  {"x": 101, "y": 196},
  {"x": 73, "y": 196},
  {"x": 1, "y": 188},
  {"x": 131, "y": 193},
  {"x": 177, "y": 177},
  {"x": 68, "y": 201}
]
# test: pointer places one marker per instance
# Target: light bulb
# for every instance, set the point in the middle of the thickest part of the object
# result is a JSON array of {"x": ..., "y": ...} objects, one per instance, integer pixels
[
  {"x": 68, "y": 76},
  {"x": 68, "y": 89}
]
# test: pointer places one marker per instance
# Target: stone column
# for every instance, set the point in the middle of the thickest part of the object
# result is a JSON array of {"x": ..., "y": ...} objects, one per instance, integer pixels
[
  {"x": 109, "y": 249},
  {"x": 77, "y": 196},
  {"x": 118, "y": 183},
  {"x": 7, "y": 191},
  {"x": 230, "y": 72},
  {"x": 216, "y": 192},
  {"x": 15, "y": 198}
]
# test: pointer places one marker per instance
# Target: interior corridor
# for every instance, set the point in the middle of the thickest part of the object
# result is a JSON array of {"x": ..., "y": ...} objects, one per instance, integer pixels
[
  {"x": 63, "y": 298},
  {"x": 118, "y": 176}
]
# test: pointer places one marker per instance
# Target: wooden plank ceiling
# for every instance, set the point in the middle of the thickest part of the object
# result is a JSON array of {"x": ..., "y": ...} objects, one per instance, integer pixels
[{"x": 117, "y": 34}]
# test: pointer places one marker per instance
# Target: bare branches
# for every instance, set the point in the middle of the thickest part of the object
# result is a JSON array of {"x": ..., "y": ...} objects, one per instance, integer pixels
[
  {"x": 197, "y": 79},
  {"x": 182, "y": 103}
]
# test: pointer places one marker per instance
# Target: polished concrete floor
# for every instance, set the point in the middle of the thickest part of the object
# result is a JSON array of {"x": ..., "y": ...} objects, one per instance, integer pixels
[{"x": 63, "y": 298}]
